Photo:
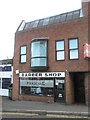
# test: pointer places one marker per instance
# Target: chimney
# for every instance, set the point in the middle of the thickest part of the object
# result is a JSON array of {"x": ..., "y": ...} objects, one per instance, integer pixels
[{"x": 85, "y": 6}]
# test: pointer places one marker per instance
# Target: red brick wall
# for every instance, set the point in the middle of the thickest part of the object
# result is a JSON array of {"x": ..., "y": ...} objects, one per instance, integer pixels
[
  {"x": 69, "y": 89},
  {"x": 85, "y": 8},
  {"x": 65, "y": 30},
  {"x": 71, "y": 29}
]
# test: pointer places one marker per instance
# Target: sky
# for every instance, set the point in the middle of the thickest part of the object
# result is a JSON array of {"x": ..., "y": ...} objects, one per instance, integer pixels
[{"x": 12, "y": 12}]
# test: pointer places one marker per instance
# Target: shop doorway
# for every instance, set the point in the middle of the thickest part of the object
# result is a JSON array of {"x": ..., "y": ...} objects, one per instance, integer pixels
[
  {"x": 59, "y": 91},
  {"x": 79, "y": 88}
]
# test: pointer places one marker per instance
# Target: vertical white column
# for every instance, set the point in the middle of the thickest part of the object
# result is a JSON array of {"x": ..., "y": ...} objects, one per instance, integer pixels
[
  {"x": 1, "y": 83},
  {"x": 20, "y": 90}
]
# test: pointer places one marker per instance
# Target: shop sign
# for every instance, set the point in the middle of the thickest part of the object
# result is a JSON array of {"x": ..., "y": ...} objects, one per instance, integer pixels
[
  {"x": 37, "y": 83},
  {"x": 43, "y": 74},
  {"x": 59, "y": 81},
  {"x": 86, "y": 51}
]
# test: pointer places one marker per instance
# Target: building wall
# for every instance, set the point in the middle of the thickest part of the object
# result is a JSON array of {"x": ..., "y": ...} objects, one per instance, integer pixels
[
  {"x": 65, "y": 30},
  {"x": 71, "y": 29},
  {"x": 7, "y": 74}
]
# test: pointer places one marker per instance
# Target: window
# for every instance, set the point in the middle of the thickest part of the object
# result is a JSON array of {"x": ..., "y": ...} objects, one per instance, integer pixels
[
  {"x": 5, "y": 68},
  {"x": 23, "y": 54},
  {"x": 73, "y": 49},
  {"x": 39, "y": 53},
  {"x": 60, "y": 50},
  {"x": 6, "y": 82},
  {"x": 37, "y": 87}
]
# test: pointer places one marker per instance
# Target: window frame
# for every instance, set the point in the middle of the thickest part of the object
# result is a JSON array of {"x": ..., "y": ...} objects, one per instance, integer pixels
[
  {"x": 56, "y": 51},
  {"x": 39, "y": 67},
  {"x": 23, "y": 54},
  {"x": 73, "y": 48}
]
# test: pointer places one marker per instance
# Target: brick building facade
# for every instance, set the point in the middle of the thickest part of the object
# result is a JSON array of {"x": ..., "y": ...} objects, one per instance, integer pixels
[{"x": 49, "y": 63}]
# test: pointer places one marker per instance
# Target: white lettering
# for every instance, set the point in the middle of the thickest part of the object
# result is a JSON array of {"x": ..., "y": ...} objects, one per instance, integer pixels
[{"x": 42, "y": 74}]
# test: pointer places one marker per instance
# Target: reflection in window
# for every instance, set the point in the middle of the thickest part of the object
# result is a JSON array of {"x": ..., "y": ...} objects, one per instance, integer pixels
[
  {"x": 60, "y": 52},
  {"x": 40, "y": 91},
  {"x": 23, "y": 54},
  {"x": 39, "y": 53},
  {"x": 37, "y": 87},
  {"x": 73, "y": 49}
]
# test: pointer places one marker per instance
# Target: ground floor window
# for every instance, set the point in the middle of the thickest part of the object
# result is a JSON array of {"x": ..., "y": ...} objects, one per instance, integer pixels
[
  {"x": 37, "y": 87},
  {"x": 47, "y": 87},
  {"x": 40, "y": 91},
  {"x": 6, "y": 82}
]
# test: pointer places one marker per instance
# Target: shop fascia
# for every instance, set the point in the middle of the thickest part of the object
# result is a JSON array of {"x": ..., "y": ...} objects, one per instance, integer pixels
[{"x": 42, "y": 75}]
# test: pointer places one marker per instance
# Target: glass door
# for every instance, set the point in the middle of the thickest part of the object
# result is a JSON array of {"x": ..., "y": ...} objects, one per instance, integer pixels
[{"x": 59, "y": 93}]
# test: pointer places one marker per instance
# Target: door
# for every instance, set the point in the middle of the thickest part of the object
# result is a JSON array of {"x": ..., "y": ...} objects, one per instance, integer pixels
[
  {"x": 59, "y": 93},
  {"x": 79, "y": 88}
]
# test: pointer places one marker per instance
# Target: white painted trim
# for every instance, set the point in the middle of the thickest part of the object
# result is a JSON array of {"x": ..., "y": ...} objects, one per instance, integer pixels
[{"x": 43, "y": 74}]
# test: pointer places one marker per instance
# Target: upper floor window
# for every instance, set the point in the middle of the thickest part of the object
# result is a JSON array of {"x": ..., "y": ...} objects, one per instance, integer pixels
[
  {"x": 60, "y": 50},
  {"x": 73, "y": 49},
  {"x": 5, "y": 68},
  {"x": 39, "y": 53},
  {"x": 23, "y": 54}
]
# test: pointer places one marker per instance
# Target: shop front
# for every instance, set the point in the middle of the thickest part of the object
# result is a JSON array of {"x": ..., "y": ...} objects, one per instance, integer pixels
[
  {"x": 49, "y": 85},
  {"x": 6, "y": 78}
]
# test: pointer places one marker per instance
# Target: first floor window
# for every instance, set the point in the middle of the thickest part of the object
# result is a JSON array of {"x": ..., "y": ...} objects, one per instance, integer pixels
[
  {"x": 23, "y": 54},
  {"x": 39, "y": 53},
  {"x": 73, "y": 49},
  {"x": 60, "y": 50}
]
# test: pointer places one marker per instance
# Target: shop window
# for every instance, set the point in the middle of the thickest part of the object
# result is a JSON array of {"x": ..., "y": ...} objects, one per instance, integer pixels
[
  {"x": 39, "y": 53},
  {"x": 73, "y": 49},
  {"x": 37, "y": 87},
  {"x": 23, "y": 54},
  {"x": 60, "y": 50},
  {"x": 6, "y": 82}
]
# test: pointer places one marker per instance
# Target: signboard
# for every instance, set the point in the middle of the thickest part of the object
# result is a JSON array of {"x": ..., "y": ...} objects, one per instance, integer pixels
[
  {"x": 59, "y": 81},
  {"x": 43, "y": 74},
  {"x": 37, "y": 83},
  {"x": 86, "y": 51}
]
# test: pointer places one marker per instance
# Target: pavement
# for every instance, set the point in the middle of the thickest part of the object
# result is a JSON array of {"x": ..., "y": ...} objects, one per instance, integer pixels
[{"x": 43, "y": 108}]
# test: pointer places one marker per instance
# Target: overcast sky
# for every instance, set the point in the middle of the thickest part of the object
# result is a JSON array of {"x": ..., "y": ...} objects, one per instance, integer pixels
[{"x": 12, "y": 12}]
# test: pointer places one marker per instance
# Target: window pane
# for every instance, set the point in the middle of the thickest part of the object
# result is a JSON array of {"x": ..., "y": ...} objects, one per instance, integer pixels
[
  {"x": 46, "y": 21},
  {"x": 23, "y": 50},
  {"x": 37, "y": 87},
  {"x": 6, "y": 68},
  {"x": 35, "y": 23},
  {"x": 23, "y": 58},
  {"x": 60, "y": 55},
  {"x": 38, "y": 62},
  {"x": 6, "y": 82},
  {"x": 73, "y": 54},
  {"x": 73, "y": 44},
  {"x": 60, "y": 45},
  {"x": 38, "y": 49}
]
